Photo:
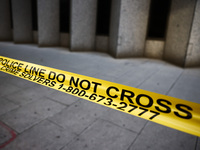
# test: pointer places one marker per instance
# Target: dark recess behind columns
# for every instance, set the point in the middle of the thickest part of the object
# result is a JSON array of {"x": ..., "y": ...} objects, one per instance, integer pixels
[
  {"x": 159, "y": 11},
  {"x": 103, "y": 17},
  {"x": 11, "y": 22},
  {"x": 64, "y": 15},
  {"x": 34, "y": 15}
]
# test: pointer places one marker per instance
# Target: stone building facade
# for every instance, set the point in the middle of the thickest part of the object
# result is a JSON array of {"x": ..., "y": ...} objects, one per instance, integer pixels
[{"x": 126, "y": 35}]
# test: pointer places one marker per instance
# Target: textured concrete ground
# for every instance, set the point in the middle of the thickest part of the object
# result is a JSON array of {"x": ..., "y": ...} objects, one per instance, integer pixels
[{"x": 33, "y": 117}]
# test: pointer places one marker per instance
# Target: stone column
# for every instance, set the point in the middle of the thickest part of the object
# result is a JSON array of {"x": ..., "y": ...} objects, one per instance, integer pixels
[
  {"x": 129, "y": 19},
  {"x": 22, "y": 21},
  {"x": 193, "y": 52},
  {"x": 5, "y": 21},
  {"x": 83, "y": 25},
  {"x": 48, "y": 23},
  {"x": 179, "y": 26}
]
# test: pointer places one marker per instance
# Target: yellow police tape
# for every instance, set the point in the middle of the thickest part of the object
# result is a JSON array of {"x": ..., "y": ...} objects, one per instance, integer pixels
[{"x": 169, "y": 111}]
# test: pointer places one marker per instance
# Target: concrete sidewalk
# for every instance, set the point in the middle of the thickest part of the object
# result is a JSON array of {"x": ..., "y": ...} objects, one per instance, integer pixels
[{"x": 33, "y": 117}]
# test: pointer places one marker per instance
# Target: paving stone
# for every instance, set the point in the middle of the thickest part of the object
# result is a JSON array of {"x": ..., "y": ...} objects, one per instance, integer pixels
[
  {"x": 6, "y": 106},
  {"x": 198, "y": 144},
  {"x": 88, "y": 71},
  {"x": 43, "y": 136},
  {"x": 21, "y": 83},
  {"x": 4, "y": 134},
  {"x": 6, "y": 79},
  {"x": 79, "y": 115},
  {"x": 124, "y": 120},
  {"x": 63, "y": 98},
  {"x": 115, "y": 72},
  {"x": 161, "y": 81},
  {"x": 6, "y": 89},
  {"x": 192, "y": 72},
  {"x": 102, "y": 135},
  {"x": 119, "y": 67},
  {"x": 135, "y": 76},
  {"x": 68, "y": 61},
  {"x": 3, "y": 74},
  {"x": 187, "y": 87},
  {"x": 24, "y": 117},
  {"x": 42, "y": 90},
  {"x": 25, "y": 96},
  {"x": 157, "y": 137},
  {"x": 129, "y": 61},
  {"x": 30, "y": 94},
  {"x": 105, "y": 77}
]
